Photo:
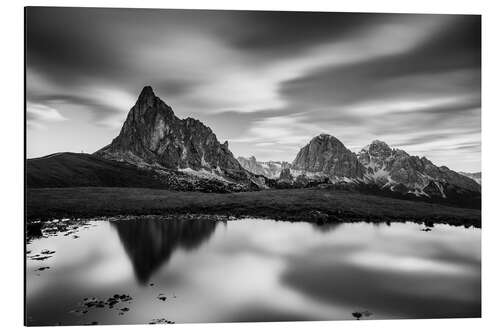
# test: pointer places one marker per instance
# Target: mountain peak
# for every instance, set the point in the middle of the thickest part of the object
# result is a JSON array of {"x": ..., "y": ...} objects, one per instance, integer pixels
[
  {"x": 379, "y": 143},
  {"x": 146, "y": 95},
  {"x": 378, "y": 147},
  {"x": 326, "y": 154},
  {"x": 324, "y": 136},
  {"x": 147, "y": 91},
  {"x": 153, "y": 135}
]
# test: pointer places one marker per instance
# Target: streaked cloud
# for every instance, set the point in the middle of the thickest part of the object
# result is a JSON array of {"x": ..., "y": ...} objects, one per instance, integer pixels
[{"x": 38, "y": 115}]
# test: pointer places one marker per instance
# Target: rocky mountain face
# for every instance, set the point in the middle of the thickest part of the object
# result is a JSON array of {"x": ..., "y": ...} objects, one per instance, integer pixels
[
  {"x": 152, "y": 134},
  {"x": 326, "y": 155},
  {"x": 154, "y": 137},
  {"x": 270, "y": 169},
  {"x": 394, "y": 167}
]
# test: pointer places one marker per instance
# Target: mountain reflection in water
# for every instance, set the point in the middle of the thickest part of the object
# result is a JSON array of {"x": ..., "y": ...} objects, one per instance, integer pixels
[
  {"x": 150, "y": 241},
  {"x": 192, "y": 271}
]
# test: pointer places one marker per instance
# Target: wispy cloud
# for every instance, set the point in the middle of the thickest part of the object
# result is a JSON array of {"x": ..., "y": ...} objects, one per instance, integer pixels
[{"x": 38, "y": 115}]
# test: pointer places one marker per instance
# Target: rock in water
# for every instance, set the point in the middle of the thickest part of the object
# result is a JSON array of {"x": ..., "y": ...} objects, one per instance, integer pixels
[{"x": 153, "y": 135}]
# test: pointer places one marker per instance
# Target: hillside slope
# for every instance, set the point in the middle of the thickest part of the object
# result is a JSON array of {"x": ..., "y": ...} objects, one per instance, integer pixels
[
  {"x": 72, "y": 170},
  {"x": 84, "y": 170}
]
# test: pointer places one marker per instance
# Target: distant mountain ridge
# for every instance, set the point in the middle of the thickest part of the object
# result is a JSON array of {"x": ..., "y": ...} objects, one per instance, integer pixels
[
  {"x": 78, "y": 170},
  {"x": 325, "y": 160},
  {"x": 270, "y": 169}
]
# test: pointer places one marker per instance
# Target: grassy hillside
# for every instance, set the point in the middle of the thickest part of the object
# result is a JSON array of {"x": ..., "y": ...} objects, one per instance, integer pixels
[
  {"x": 316, "y": 205},
  {"x": 73, "y": 170}
]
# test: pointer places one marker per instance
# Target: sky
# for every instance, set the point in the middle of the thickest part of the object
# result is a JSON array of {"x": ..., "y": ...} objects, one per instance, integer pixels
[{"x": 267, "y": 82}]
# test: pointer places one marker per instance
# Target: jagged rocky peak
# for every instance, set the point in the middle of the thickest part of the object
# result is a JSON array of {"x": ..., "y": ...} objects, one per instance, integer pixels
[
  {"x": 378, "y": 148},
  {"x": 153, "y": 135},
  {"x": 327, "y": 155},
  {"x": 286, "y": 175},
  {"x": 147, "y": 100},
  {"x": 373, "y": 156},
  {"x": 147, "y": 95}
]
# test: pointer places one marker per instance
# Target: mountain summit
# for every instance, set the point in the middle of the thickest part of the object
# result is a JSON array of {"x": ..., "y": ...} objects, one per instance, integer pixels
[
  {"x": 146, "y": 94},
  {"x": 153, "y": 135},
  {"x": 327, "y": 155}
]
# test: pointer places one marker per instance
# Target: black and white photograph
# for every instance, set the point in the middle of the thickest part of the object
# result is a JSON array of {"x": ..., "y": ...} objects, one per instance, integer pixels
[{"x": 224, "y": 166}]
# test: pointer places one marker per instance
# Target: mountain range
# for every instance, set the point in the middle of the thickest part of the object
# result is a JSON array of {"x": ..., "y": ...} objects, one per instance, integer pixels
[
  {"x": 155, "y": 148},
  {"x": 326, "y": 158},
  {"x": 379, "y": 165}
]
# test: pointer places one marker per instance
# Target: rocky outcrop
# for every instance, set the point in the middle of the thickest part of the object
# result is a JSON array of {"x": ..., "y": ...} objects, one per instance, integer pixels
[
  {"x": 153, "y": 135},
  {"x": 326, "y": 155},
  {"x": 285, "y": 177},
  {"x": 270, "y": 169}
]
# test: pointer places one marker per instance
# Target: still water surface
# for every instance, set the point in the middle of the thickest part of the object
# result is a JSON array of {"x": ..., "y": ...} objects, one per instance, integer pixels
[{"x": 250, "y": 270}]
